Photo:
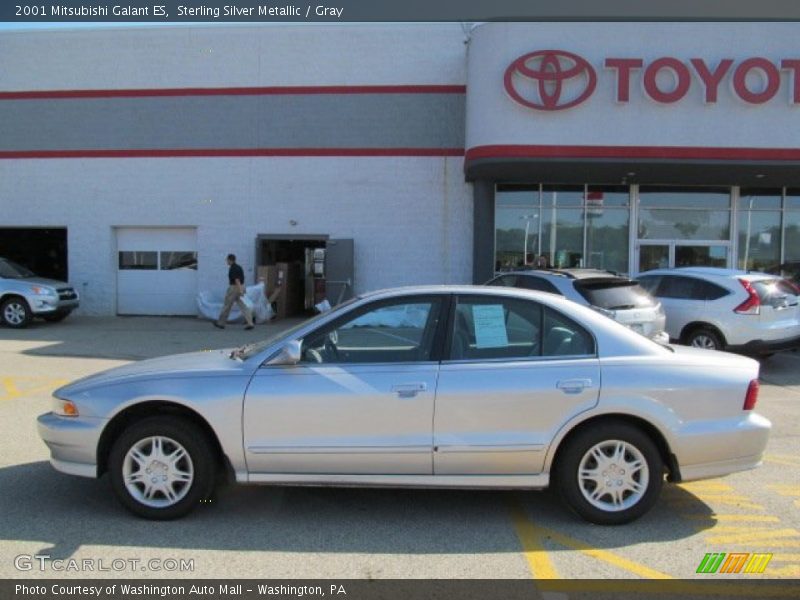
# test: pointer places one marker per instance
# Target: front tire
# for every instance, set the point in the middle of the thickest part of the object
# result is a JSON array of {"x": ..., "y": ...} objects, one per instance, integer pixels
[
  {"x": 15, "y": 313},
  {"x": 162, "y": 467},
  {"x": 610, "y": 474}
]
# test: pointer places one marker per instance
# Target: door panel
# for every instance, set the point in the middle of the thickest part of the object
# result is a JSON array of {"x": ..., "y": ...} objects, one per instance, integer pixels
[
  {"x": 517, "y": 372},
  {"x": 359, "y": 419},
  {"x": 339, "y": 270},
  {"x": 359, "y": 402},
  {"x": 497, "y": 418}
]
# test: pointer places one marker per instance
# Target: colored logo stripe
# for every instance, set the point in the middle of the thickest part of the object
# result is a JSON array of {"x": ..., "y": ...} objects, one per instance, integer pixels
[{"x": 736, "y": 562}]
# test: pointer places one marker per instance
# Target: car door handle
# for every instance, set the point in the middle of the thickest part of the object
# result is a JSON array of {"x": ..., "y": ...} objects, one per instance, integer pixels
[
  {"x": 409, "y": 390},
  {"x": 574, "y": 386}
]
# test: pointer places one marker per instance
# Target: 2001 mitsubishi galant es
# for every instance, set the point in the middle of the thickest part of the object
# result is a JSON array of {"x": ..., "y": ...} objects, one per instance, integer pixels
[{"x": 427, "y": 386}]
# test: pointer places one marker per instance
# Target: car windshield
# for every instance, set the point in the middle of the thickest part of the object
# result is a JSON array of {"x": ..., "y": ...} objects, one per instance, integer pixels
[
  {"x": 250, "y": 350},
  {"x": 614, "y": 294},
  {"x": 11, "y": 270}
]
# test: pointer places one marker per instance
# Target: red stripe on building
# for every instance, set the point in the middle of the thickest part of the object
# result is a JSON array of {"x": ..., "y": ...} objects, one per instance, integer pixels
[
  {"x": 232, "y": 152},
  {"x": 236, "y": 91},
  {"x": 632, "y": 152}
]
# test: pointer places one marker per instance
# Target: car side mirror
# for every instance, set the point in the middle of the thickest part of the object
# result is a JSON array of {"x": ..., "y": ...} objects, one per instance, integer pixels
[{"x": 288, "y": 355}]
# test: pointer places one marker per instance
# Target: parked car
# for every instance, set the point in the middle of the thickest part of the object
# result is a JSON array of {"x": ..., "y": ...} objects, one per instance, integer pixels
[
  {"x": 529, "y": 390},
  {"x": 617, "y": 297},
  {"x": 724, "y": 309},
  {"x": 24, "y": 296},
  {"x": 788, "y": 270}
]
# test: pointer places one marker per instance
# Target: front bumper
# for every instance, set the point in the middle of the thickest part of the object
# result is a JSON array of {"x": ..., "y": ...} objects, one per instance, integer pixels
[
  {"x": 72, "y": 442},
  {"x": 47, "y": 305},
  {"x": 715, "y": 448},
  {"x": 766, "y": 346}
]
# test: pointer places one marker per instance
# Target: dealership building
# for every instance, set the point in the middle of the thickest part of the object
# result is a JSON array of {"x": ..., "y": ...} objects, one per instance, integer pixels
[{"x": 133, "y": 160}]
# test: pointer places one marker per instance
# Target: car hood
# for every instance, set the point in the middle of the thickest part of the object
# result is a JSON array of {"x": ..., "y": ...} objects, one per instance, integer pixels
[
  {"x": 43, "y": 281},
  {"x": 206, "y": 362}
]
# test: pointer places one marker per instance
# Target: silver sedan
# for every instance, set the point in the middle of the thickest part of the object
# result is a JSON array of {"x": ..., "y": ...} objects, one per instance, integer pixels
[{"x": 427, "y": 386}]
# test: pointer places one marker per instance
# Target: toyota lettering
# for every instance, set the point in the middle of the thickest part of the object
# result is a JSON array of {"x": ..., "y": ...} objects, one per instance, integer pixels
[{"x": 555, "y": 79}]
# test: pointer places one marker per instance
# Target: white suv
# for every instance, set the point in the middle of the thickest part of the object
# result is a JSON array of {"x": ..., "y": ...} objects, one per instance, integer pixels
[
  {"x": 615, "y": 296},
  {"x": 724, "y": 309}
]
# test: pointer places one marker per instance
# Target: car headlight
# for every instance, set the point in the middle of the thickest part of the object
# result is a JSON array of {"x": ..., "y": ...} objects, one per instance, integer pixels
[
  {"x": 64, "y": 408},
  {"x": 43, "y": 291}
]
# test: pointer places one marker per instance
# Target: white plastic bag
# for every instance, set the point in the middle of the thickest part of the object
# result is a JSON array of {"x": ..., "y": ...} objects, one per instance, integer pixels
[{"x": 209, "y": 305}]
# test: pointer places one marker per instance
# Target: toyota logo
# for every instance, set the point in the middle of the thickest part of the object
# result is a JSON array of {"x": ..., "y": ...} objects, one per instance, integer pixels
[{"x": 550, "y": 80}]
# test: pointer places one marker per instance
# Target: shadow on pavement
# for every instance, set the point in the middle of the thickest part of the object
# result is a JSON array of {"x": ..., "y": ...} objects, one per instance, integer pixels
[
  {"x": 66, "y": 512},
  {"x": 130, "y": 338},
  {"x": 781, "y": 369}
]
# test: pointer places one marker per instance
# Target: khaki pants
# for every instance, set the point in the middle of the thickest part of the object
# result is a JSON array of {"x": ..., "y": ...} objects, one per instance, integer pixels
[{"x": 232, "y": 297}]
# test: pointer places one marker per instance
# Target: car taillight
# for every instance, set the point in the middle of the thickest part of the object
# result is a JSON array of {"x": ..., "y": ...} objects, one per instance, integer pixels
[
  {"x": 752, "y": 396},
  {"x": 751, "y": 306}
]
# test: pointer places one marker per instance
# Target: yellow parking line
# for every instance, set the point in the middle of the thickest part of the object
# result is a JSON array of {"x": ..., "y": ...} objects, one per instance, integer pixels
[
  {"x": 782, "y": 460},
  {"x": 703, "y": 486},
  {"x": 531, "y": 539},
  {"x": 719, "y": 500},
  {"x": 785, "y": 489},
  {"x": 13, "y": 391},
  {"x": 733, "y": 518},
  {"x": 604, "y": 555},
  {"x": 754, "y": 529},
  {"x": 766, "y": 535}
]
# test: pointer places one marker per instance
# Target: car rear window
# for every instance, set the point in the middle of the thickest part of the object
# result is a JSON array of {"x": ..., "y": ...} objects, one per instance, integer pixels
[
  {"x": 614, "y": 294},
  {"x": 769, "y": 290}
]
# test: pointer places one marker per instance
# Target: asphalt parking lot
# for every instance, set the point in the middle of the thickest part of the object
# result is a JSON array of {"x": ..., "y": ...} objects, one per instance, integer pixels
[{"x": 356, "y": 533}]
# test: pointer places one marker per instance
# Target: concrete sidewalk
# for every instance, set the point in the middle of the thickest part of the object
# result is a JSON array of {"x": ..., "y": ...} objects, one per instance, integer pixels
[{"x": 131, "y": 338}]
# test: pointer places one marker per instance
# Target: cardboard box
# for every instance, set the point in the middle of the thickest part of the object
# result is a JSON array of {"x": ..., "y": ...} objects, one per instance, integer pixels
[
  {"x": 269, "y": 275},
  {"x": 290, "y": 283}
]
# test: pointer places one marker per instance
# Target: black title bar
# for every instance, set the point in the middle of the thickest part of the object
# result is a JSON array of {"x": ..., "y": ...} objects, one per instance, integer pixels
[{"x": 276, "y": 11}]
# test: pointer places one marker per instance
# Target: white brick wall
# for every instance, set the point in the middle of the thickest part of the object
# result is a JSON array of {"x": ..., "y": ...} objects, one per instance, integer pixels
[{"x": 411, "y": 218}]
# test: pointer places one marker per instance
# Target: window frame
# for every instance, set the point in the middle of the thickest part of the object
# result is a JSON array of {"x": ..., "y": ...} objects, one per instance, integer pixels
[
  {"x": 437, "y": 335},
  {"x": 459, "y": 298}
]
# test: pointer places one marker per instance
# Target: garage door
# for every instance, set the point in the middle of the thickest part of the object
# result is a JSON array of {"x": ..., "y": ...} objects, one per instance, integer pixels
[{"x": 157, "y": 271}]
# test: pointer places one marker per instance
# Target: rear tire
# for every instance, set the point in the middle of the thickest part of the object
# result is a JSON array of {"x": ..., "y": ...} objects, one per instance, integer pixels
[
  {"x": 705, "y": 338},
  {"x": 610, "y": 473},
  {"x": 162, "y": 467},
  {"x": 15, "y": 313}
]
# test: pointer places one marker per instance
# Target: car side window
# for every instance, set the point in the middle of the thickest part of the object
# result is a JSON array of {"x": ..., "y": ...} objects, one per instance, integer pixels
[
  {"x": 530, "y": 282},
  {"x": 399, "y": 331},
  {"x": 513, "y": 328},
  {"x": 504, "y": 281},
  {"x": 711, "y": 291},
  {"x": 683, "y": 288}
]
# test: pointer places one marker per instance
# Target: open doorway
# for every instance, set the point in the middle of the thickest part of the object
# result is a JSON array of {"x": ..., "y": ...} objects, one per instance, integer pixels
[
  {"x": 301, "y": 271},
  {"x": 42, "y": 249}
]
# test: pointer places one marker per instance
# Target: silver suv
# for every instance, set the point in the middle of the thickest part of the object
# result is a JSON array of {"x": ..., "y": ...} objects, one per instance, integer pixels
[
  {"x": 617, "y": 297},
  {"x": 725, "y": 309},
  {"x": 24, "y": 296}
]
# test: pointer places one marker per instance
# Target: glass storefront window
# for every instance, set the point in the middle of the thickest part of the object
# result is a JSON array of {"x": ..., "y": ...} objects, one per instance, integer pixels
[
  {"x": 684, "y": 213},
  {"x": 516, "y": 226},
  {"x": 607, "y": 228},
  {"x": 792, "y": 235},
  {"x": 562, "y": 226},
  {"x": 759, "y": 228}
]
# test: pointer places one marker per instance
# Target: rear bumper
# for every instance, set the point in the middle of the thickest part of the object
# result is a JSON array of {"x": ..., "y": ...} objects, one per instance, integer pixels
[
  {"x": 766, "y": 346},
  {"x": 72, "y": 442},
  {"x": 716, "y": 448}
]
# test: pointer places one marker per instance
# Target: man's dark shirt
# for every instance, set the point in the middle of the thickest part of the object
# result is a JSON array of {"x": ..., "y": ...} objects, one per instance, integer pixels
[{"x": 234, "y": 273}]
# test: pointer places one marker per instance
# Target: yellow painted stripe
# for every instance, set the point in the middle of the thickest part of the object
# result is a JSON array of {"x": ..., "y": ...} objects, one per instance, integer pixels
[
  {"x": 710, "y": 487},
  {"x": 604, "y": 555},
  {"x": 733, "y": 518},
  {"x": 10, "y": 388},
  {"x": 754, "y": 529},
  {"x": 721, "y": 500},
  {"x": 671, "y": 587},
  {"x": 765, "y": 535},
  {"x": 783, "y": 544},
  {"x": 782, "y": 461},
  {"x": 786, "y": 490},
  {"x": 530, "y": 537},
  {"x": 12, "y": 391},
  {"x": 785, "y": 557}
]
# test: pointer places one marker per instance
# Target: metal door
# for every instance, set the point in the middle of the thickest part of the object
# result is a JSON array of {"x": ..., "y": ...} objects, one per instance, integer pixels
[{"x": 339, "y": 269}]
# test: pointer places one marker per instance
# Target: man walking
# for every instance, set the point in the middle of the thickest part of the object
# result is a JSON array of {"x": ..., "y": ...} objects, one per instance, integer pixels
[{"x": 234, "y": 295}]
